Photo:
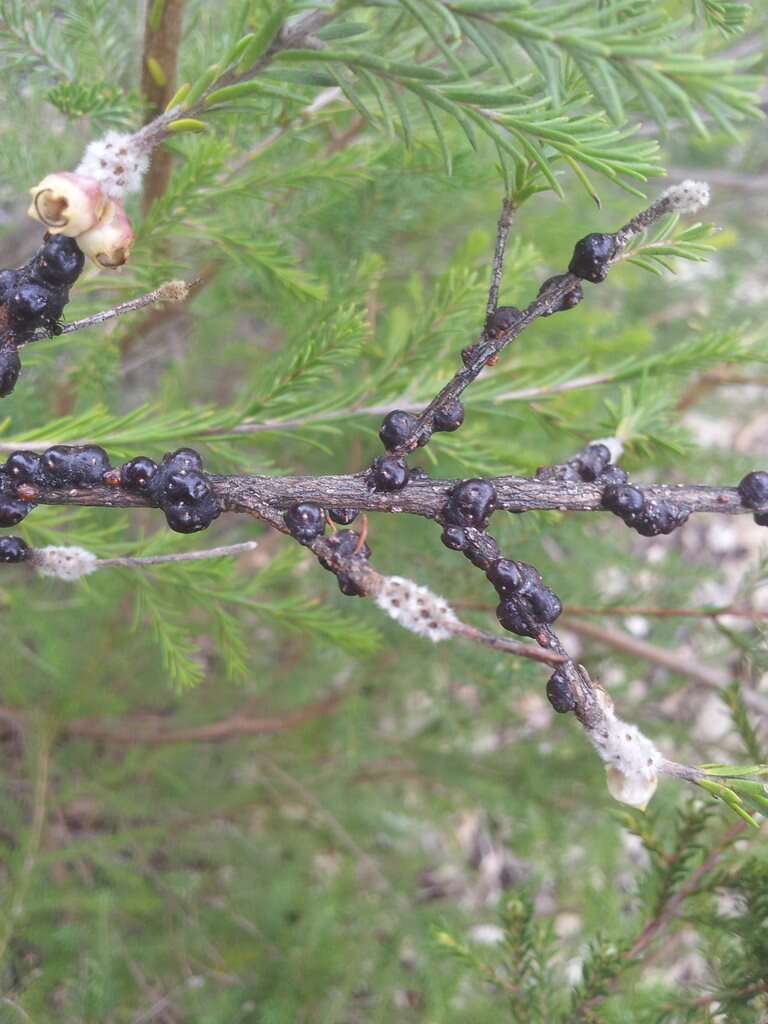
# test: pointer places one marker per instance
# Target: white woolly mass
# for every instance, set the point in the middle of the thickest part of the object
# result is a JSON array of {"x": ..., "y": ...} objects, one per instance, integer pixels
[
  {"x": 65, "y": 563},
  {"x": 687, "y": 197},
  {"x": 631, "y": 760},
  {"x": 118, "y": 162},
  {"x": 416, "y": 608},
  {"x": 614, "y": 446}
]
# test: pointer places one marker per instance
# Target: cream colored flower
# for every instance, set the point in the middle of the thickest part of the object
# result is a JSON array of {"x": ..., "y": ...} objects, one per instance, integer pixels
[
  {"x": 109, "y": 242},
  {"x": 67, "y": 203}
]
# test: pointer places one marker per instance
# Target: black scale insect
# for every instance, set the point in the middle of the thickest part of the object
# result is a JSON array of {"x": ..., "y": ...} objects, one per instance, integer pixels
[
  {"x": 33, "y": 297},
  {"x": 526, "y": 604},
  {"x": 177, "y": 485}
]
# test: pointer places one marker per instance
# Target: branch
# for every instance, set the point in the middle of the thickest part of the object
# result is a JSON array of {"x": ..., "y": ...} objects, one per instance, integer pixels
[
  {"x": 296, "y": 505},
  {"x": 423, "y": 497},
  {"x": 553, "y": 298},
  {"x": 236, "y": 727},
  {"x": 171, "y": 291}
]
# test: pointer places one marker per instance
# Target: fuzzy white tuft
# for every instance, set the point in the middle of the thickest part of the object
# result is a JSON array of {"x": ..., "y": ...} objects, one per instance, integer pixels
[
  {"x": 65, "y": 563},
  {"x": 416, "y": 608},
  {"x": 173, "y": 291},
  {"x": 687, "y": 197},
  {"x": 118, "y": 162},
  {"x": 631, "y": 759}
]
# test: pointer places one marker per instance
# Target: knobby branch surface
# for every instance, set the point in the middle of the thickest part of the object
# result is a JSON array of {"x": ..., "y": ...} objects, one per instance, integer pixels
[{"x": 422, "y": 497}]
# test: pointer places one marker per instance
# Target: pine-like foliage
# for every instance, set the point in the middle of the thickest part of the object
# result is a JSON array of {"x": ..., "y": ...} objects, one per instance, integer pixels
[{"x": 411, "y": 835}]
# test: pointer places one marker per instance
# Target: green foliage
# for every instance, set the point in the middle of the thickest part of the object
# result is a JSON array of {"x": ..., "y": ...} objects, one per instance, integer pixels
[{"x": 344, "y": 861}]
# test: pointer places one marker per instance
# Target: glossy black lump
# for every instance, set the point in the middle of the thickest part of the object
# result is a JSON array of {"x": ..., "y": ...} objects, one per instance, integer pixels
[
  {"x": 454, "y": 538},
  {"x": 74, "y": 465},
  {"x": 505, "y": 575},
  {"x": 613, "y": 476},
  {"x": 8, "y": 280},
  {"x": 515, "y": 619},
  {"x": 347, "y": 546},
  {"x": 13, "y": 549},
  {"x": 179, "y": 486},
  {"x": 23, "y": 467},
  {"x": 471, "y": 503},
  {"x": 36, "y": 305},
  {"x": 10, "y": 368},
  {"x": 12, "y": 511},
  {"x": 570, "y": 300},
  {"x": 590, "y": 464},
  {"x": 449, "y": 417},
  {"x": 592, "y": 256},
  {"x": 648, "y": 517},
  {"x": 501, "y": 320},
  {"x": 545, "y": 605},
  {"x": 344, "y": 516},
  {"x": 396, "y": 428},
  {"x": 623, "y": 500},
  {"x": 188, "y": 487},
  {"x": 660, "y": 517},
  {"x": 753, "y": 490},
  {"x": 389, "y": 473},
  {"x": 592, "y": 461},
  {"x": 183, "y": 517},
  {"x": 137, "y": 474},
  {"x": 12, "y": 508},
  {"x": 526, "y": 603},
  {"x": 559, "y": 693},
  {"x": 58, "y": 262},
  {"x": 305, "y": 521},
  {"x": 181, "y": 461},
  {"x": 33, "y": 297}
]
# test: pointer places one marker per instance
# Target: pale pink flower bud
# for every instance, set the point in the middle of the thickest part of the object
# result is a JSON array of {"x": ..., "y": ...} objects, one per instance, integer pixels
[
  {"x": 67, "y": 203},
  {"x": 109, "y": 242}
]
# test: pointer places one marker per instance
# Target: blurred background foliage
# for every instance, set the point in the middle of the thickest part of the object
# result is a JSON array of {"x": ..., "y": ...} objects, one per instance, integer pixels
[{"x": 418, "y": 838}]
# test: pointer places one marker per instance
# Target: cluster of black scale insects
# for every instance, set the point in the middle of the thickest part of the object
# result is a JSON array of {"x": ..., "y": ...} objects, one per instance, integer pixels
[
  {"x": 390, "y": 472},
  {"x": 177, "y": 485},
  {"x": 33, "y": 297},
  {"x": 649, "y": 517},
  {"x": 306, "y": 522}
]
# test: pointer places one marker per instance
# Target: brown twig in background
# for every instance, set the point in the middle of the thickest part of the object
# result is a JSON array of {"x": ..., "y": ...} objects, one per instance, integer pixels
[
  {"x": 162, "y": 36},
  {"x": 148, "y": 733},
  {"x": 670, "y": 613},
  {"x": 682, "y": 665}
]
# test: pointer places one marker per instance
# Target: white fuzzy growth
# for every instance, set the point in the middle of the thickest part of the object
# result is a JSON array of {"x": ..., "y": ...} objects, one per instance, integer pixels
[
  {"x": 614, "y": 446},
  {"x": 631, "y": 760},
  {"x": 687, "y": 197},
  {"x": 416, "y": 608},
  {"x": 118, "y": 162},
  {"x": 65, "y": 563}
]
